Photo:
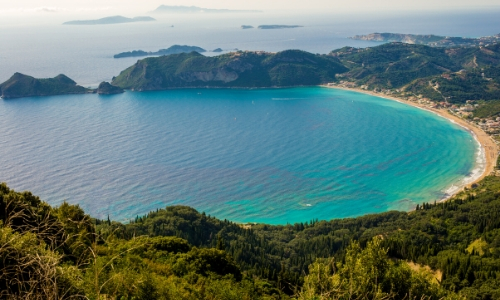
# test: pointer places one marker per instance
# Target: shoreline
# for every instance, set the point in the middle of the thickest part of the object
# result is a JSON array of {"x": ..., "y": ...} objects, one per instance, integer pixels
[{"x": 487, "y": 152}]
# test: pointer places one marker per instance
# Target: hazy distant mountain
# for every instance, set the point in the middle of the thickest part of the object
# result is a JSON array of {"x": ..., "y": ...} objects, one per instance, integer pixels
[
  {"x": 429, "y": 39},
  {"x": 278, "y": 26},
  {"x": 175, "y": 49},
  {"x": 194, "y": 9},
  {"x": 110, "y": 20}
]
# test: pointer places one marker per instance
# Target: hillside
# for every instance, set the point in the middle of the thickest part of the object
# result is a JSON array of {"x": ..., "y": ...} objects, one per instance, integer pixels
[
  {"x": 440, "y": 74},
  {"x": 20, "y": 85},
  {"x": 394, "y": 65},
  {"x": 237, "y": 69}
]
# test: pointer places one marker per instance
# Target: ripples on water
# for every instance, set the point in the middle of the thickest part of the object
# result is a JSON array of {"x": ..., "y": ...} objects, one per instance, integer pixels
[{"x": 235, "y": 154}]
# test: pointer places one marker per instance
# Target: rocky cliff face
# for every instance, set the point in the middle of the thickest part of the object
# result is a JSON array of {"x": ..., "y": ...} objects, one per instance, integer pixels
[{"x": 107, "y": 89}]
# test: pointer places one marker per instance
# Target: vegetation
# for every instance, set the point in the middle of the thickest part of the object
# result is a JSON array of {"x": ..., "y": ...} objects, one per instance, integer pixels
[
  {"x": 178, "y": 253},
  {"x": 20, "y": 85},
  {"x": 106, "y": 89},
  {"x": 440, "y": 74},
  {"x": 488, "y": 109},
  {"x": 237, "y": 69}
]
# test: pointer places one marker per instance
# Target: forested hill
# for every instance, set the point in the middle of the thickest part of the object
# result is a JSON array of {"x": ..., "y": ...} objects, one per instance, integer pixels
[
  {"x": 440, "y": 74},
  {"x": 453, "y": 75},
  {"x": 179, "y": 253},
  {"x": 237, "y": 69},
  {"x": 20, "y": 85},
  {"x": 460, "y": 238}
]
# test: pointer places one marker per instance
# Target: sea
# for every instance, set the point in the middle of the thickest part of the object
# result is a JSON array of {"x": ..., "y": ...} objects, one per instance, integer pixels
[{"x": 275, "y": 156}]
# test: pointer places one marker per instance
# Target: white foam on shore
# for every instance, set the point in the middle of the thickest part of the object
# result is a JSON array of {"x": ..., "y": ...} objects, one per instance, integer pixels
[
  {"x": 475, "y": 174},
  {"x": 480, "y": 163}
]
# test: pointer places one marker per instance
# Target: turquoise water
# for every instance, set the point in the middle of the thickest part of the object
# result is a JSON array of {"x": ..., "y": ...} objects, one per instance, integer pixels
[{"x": 270, "y": 155}]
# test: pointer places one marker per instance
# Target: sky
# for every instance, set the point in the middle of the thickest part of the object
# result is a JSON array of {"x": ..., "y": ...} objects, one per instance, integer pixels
[{"x": 92, "y": 7}]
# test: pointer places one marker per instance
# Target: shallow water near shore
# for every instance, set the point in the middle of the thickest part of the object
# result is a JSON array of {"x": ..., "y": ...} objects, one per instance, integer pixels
[{"x": 267, "y": 155}]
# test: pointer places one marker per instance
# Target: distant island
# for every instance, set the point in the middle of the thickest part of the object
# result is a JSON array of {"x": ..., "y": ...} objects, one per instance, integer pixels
[
  {"x": 110, "y": 20},
  {"x": 175, "y": 49},
  {"x": 278, "y": 26},
  {"x": 246, "y": 27},
  {"x": 195, "y": 9},
  {"x": 246, "y": 69},
  {"x": 429, "y": 40}
]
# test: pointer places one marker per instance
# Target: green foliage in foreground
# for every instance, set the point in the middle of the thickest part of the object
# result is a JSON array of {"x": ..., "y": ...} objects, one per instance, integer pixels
[
  {"x": 178, "y": 253},
  {"x": 434, "y": 235},
  {"x": 368, "y": 274}
]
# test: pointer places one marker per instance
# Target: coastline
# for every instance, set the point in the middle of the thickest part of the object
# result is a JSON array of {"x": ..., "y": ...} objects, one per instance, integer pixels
[{"x": 486, "y": 156}]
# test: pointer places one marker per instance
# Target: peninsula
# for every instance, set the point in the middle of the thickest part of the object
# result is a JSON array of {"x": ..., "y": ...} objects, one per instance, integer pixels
[
  {"x": 20, "y": 85},
  {"x": 110, "y": 20},
  {"x": 245, "y": 69},
  {"x": 429, "y": 39},
  {"x": 175, "y": 49},
  {"x": 195, "y": 9}
]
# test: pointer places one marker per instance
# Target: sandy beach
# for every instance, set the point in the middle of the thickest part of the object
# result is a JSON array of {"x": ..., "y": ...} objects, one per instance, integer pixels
[{"x": 488, "y": 145}]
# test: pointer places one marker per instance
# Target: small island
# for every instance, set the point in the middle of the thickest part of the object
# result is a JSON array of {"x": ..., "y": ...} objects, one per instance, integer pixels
[
  {"x": 110, "y": 20},
  {"x": 195, "y": 9},
  {"x": 175, "y": 49},
  {"x": 217, "y": 50},
  {"x": 20, "y": 85},
  {"x": 278, "y": 26},
  {"x": 246, "y": 27}
]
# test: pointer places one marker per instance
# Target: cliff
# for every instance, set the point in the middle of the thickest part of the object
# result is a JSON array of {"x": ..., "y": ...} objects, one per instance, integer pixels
[
  {"x": 107, "y": 89},
  {"x": 20, "y": 85},
  {"x": 237, "y": 69}
]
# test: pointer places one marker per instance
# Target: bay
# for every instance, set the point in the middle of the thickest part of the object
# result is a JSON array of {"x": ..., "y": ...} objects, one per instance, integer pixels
[{"x": 265, "y": 155}]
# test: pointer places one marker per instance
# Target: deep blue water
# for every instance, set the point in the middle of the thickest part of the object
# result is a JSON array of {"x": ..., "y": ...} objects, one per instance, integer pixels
[{"x": 270, "y": 155}]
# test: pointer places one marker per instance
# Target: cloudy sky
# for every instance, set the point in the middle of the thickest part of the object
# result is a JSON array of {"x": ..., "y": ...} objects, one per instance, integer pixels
[{"x": 143, "y": 6}]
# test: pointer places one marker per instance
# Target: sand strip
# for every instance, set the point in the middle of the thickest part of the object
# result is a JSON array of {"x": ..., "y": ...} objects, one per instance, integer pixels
[{"x": 488, "y": 146}]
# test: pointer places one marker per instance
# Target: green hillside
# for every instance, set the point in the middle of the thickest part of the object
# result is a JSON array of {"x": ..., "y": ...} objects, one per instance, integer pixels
[
  {"x": 20, "y": 85},
  {"x": 395, "y": 65},
  {"x": 237, "y": 69}
]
